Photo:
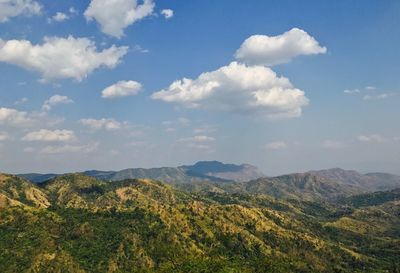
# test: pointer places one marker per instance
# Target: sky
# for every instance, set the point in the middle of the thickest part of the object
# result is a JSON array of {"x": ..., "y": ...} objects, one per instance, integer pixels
[{"x": 288, "y": 86}]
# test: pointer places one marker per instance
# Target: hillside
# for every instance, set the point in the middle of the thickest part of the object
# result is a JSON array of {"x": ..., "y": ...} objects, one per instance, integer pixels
[
  {"x": 139, "y": 225},
  {"x": 368, "y": 182},
  {"x": 301, "y": 186}
]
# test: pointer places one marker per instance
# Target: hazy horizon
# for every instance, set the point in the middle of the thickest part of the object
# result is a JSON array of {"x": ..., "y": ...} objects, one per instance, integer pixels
[{"x": 188, "y": 164}]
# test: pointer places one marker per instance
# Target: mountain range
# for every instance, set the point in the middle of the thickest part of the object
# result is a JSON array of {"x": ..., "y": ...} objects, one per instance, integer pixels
[
  {"x": 326, "y": 185},
  {"x": 201, "y": 171}
]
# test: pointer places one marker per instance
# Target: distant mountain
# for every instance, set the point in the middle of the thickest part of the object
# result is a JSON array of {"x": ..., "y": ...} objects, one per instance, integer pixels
[
  {"x": 212, "y": 171},
  {"x": 232, "y": 172},
  {"x": 367, "y": 182}
]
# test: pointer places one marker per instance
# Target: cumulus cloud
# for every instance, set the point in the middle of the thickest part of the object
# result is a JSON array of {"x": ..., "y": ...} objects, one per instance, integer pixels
[
  {"x": 272, "y": 50},
  {"x": 13, "y": 8},
  {"x": 115, "y": 15},
  {"x": 55, "y": 100},
  {"x": 168, "y": 13},
  {"x": 60, "y": 58},
  {"x": 121, "y": 89},
  {"x": 276, "y": 145},
  {"x": 104, "y": 123},
  {"x": 13, "y": 117},
  {"x": 45, "y": 135},
  {"x": 238, "y": 88}
]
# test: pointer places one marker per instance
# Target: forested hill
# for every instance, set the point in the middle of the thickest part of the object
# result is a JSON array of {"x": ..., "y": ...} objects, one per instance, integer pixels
[{"x": 76, "y": 223}]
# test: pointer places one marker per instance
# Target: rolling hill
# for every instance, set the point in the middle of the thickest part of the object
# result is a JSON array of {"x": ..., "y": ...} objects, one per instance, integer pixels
[{"x": 77, "y": 223}]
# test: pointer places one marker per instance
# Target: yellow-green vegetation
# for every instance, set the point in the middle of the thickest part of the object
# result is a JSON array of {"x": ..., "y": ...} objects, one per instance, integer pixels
[{"x": 75, "y": 223}]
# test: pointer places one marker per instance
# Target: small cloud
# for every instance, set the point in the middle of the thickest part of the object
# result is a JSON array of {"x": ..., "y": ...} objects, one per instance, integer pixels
[
  {"x": 378, "y": 97},
  {"x": 140, "y": 49},
  {"x": 352, "y": 91},
  {"x": 114, "y": 16},
  {"x": 168, "y": 13},
  {"x": 199, "y": 142},
  {"x": 370, "y": 88},
  {"x": 121, "y": 89},
  {"x": 371, "y": 138},
  {"x": 332, "y": 144},
  {"x": 73, "y": 10},
  {"x": 55, "y": 100},
  {"x": 50, "y": 136},
  {"x": 199, "y": 138},
  {"x": 276, "y": 145},
  {"x": 87, "y": 148},
  {"x": 273, "y": 50},
  {"x": 10, "y": 9},
  {"x": 21, "y": 101},
  {"x": 29, "y": 149},
  {"x": 13, "y": 117},
  {"x": 4, "y": 136},
  {"x": 99, "y": 124},
  {"x": 58, "y": 17}
]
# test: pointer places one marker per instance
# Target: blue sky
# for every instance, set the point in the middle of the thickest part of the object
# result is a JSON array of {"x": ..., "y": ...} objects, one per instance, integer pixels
[{"x": 340, "y": 107}]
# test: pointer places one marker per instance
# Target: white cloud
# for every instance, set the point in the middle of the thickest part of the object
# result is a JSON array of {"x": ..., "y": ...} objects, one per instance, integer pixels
[
  {"x": 378, "y": 97},
  {"x": 276, "y": 145},
  {"x": 352, "y": 91},
  {"x": 199, "y": 138},
  {"x": 13, "y": 117},
  {"x": 60, "y": 58},
  {"x": 21, "y": 101},
  {"x": 168, "y": 13},
  {"x": 370, "y": 88},
  {"x": 140, "y": 49},
  {"x": 98, "y": 124},
  {"x": 29, "y": 149},
  {"x": 55, "y": 100},
  {"x": 13, "y": 8},
  {"x": 50, "y": 136},
  {"x": 121, "y": 89},
  {"x": 199, "y": 142},
  {"x": 87, "y": 148},
  {"x": 333, "y": 144},
  {"x": 115, "y": 15},
  {"x": 59, "y": 17},
  {"x": 73, "y": 10},
  {"x": 4, "y": 136},
  {"x": 272, "y": 50},
  {"x": 238, "y": 88},
  {"x": 371, "y": 138}
]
